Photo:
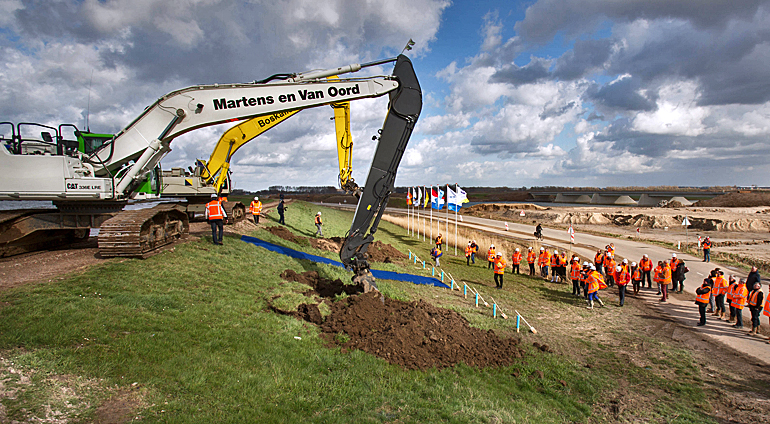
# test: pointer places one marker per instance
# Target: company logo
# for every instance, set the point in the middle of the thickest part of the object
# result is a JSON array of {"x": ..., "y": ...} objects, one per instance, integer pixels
[{"x": 304, "y": 95}]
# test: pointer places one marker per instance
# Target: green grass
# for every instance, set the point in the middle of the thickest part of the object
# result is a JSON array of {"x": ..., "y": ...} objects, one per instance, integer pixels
[{"x": 192, "y": 326}]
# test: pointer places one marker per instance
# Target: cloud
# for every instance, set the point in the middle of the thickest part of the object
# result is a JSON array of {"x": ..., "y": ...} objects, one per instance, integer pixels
[{"x": 623, "y": 94}]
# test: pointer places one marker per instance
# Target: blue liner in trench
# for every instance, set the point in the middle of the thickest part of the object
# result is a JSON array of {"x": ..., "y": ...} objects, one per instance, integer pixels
[{"x": 382, "y": 275}]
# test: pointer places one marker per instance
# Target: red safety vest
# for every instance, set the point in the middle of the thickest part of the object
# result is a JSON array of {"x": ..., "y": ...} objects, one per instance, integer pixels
[
  {"x": 623, "y": 278},
  {"x": 215, "y": 210},
  {"x": 766, "y": 309}
]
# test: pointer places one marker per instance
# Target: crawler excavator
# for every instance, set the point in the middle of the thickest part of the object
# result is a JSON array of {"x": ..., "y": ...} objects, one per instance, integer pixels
[{"x": 90, "y": 189}]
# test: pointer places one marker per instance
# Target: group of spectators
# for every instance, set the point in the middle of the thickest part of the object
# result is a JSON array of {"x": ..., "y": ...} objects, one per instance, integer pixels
[{"x": 718, "y": 293}]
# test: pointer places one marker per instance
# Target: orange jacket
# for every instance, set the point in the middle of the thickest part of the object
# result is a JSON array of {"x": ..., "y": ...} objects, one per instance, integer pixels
[
  {"x": 256, "y": 207},
  {"x": 666, "y": 274},
  {"x": 657, "y": 275},
  {"x": 574, "y": 271},
  {"x": 491, "y": 255},
  {"x": 545, "y": 258},
  {"x": 531, "y": 256},
  {"x": 703, "y": 297},
  {"x": 594, "y": 281},
  {"x": 468, "y": 251},
  {"x": 214, "y": 210},
  {"x": 516, "y": 258},
  {"x": 318, "y": 220},
  {"x": 645, "y": 265},
  {"x": 636, "y": 275},
  {"x": 555, "y": 261},
  {"x": 707, "y": 244},
  {"x": 500, "y": 265},
  {"x": 720, "y": 285},
  {"x": 674, "y": 263},
  {"x": 740, "y": 295},
  {"x": 599, "y": 258},
  {"x": 622, "y": 278}
]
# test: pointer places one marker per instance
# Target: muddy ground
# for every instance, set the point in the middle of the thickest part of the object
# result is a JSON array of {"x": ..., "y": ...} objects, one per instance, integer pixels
[
  {"x": 377, "y": 251},
  {"x": 413, "y": 335}
]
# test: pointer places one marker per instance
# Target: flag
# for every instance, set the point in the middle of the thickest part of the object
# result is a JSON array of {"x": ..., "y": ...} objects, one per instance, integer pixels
[
  {"x": 418, "y": 201},
  {"x": 437, "y": 198},
  {"x": 452, "y": 207},
  {"x": 462, "y": 195},
  {"x": 427, "y": 197},
  {"x": 408, "y": 198},
  {"x": 452, "y": 197}
]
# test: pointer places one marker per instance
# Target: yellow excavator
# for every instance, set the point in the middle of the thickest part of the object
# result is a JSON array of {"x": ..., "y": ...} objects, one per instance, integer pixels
[{"x": 213, "y": 176}]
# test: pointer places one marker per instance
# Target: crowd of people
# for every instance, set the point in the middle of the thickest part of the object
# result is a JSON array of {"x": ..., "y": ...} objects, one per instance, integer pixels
[{"x": 724, "y": 297}]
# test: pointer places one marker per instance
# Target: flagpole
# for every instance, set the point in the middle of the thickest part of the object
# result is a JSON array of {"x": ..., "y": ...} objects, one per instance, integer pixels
[
  {"x": 447, "y": 215},
  {"x": 430, "y": 204},
  {"x": 424, "y": 221},
  {"x": 457, "y": 193}
]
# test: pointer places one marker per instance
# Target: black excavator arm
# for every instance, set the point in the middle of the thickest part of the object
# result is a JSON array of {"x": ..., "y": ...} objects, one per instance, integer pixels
[{"x": 403, "y": 111}]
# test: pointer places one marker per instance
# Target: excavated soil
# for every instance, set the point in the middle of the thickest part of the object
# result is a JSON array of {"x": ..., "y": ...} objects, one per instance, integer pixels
[
  {"x": 377, "y": 252},
  {"x": 414, "y": 335},
  {"x": 283, "y": 233},
  {"x": 737, "y": 200}
]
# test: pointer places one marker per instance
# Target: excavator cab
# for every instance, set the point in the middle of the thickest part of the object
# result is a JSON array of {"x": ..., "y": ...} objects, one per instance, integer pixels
[{"x": 91, "y": 142}]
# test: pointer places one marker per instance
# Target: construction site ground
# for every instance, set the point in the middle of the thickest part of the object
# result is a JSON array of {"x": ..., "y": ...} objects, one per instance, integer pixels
[{"x": 657, "y": 353}]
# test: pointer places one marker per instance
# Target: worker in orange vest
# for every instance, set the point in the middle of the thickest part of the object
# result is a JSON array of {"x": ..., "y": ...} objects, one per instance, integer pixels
[
  {"x": 318, "y": 224},
  {"x": 255, "y": 208},
  {"x": 543, "y": 261},
  {"x": 474, "y": 252},
  {"x": 622, "y": 278},
  {"x": 665, "y": 281},
  {"x": 609, "y": 269},
  {"x": 730, "y": 296},
  {"x": 468, "y": 253},
  {"x": 515, "y": 261},
  {"x": 531, "y": 259},
  {"x": 702, "y": 300},
  {"x": 755, "y": 302},
  {"x": 740, "y": 296},
  {"x": 718, "y": 292},
  {"x": 491, "y": 256},
  {"x": 636, "y": 277},
  {"x": 599, "y": 260},
  {"x": 657, "y": 275},
  {"x": 645, "y": 265},
  {"x": 594, "y": 281},
  {"x": 555, "y": 262},
  {"x": 215, "y": 215},
  {"x": 584, "y": 271},
  {"x": 706, "y": 250},
  {"x": 499, "y": 270},
  {"x": 574, "y": 275},
  {"x": 439, "y": 241},
  {"x": 673, "y": 263}
]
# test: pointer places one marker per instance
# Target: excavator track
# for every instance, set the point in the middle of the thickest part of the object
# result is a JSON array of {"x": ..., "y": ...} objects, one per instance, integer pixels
[
  {"x": 139, "y": 233},
  {"x": 236, "y": 212}
]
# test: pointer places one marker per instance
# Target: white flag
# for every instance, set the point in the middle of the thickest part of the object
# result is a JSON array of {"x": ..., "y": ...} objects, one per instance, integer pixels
[
  {"x": 462, "y": 195},
  {"x": 452, "y": 197}
]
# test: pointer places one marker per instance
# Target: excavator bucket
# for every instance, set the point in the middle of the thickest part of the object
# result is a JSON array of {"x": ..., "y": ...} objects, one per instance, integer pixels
[{"x": 366, "y": 280}]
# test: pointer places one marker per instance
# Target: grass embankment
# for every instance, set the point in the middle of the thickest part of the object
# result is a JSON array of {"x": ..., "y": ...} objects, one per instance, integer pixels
[{"x": 187, "y": 337}]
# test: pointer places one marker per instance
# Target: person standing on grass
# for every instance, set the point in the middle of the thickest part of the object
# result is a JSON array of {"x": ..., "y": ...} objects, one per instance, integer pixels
[
  {"x": 731, "y": 297},
  {"x": 255, "y": 208},
  {"x": 491, "y": 257},
  {"x": 574, "y": 275},
  {"x": 657, "y": 275},
  {"x": 585, "y": 270},
  {"x": 555, "y": 266},
  {"x": 674, "y": 264},
  {"x": 636, "y": 277},
  {"x": 756, "y": 302},
  {"x": 702, "y": 300},
  {"x": 594, "y": 281},
  {"x": 215, "y": 215},
  {"x": 515, "y": 261},
  {"x": 622, "y": 278},
  {"x": 645, "y": 265},
  {"x": 599, "y": 260},
  {"x": 739, "y": 300},
  {"x": 543, "y": 261},
  {"x": 718, "y": 292},
  {"x": 609, "y": 269},
  {"x": 318, "y": 224},
  {"x": 499, "y": 270},
  {"x": 281, "y": 210},
  {"x": 665, "y": 281},
  {"x": 531, "y": 259},
  {"x": 439, "y": 241},
  {"x": 707, "y": 250},
  {"x": 468, "y": 253},
  {"x": 474, "y": 252}
]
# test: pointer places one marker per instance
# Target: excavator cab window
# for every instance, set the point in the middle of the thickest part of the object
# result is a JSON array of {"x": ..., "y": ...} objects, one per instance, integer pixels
[{"x": 90, "y": 142}]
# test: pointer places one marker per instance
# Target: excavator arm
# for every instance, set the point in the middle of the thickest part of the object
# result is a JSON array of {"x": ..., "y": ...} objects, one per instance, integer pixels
[{"x": 403, "y": 112}]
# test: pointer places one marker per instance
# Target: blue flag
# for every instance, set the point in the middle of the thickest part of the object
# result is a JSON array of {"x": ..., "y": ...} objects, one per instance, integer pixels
[{"x": 437, "y": 198}]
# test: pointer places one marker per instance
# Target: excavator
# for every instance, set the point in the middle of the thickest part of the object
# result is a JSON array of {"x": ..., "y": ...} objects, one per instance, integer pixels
[
  {"x": 91, "y": 190},
  {"x": 212, "y": 177}
]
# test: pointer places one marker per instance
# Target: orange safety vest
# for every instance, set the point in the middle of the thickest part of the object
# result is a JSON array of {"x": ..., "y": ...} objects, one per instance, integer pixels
[
  {"x": 739, "y": 297},
  {"x": 637, "y": 276},
  {"x": 599, "y": 258},
  {"x": 574, "y": 271},
  {"x": 720, "y": 285},
  {"x": 555, "y": 261},
  {"x": 623, "y": 278},
  {"x": 609, "y": 265},
  {"x": 500, "y": 265},
  {"x": 666, "y": 275},
  {"x": 468, "y": 251},
  {"x": 439, "y": 240},
  {"x": 707, "y": 244},
  {"x": 215, "y": 210},
  {"x": 766, "y": 309},
  {"x": 516, "y": 258},
  {"x": 531, "y": 257},
  {"x": 703, "y": 298},
  {"x": 645, "y": 265},
  {"x": 594, "y": 281},
  {"x": 658, "y": 275},
  {"x": 674, "y": 264},
  {"x": 731, "y": 292},
  {"x": 754, "y": 298},
  {"x": 491, "y": 255},
  {"x": 611, "y": 250},
  {"x": 545, "y": 258},
  {"x": 318, "y": 220},
  {"x": 256, "y": 207}
]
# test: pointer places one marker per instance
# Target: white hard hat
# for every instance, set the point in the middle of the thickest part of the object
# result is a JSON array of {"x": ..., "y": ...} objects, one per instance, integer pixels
[
  {"x": 319, "y": 213},
  {"x": 633, "y": 263},
  {"x": 499, "y": 253},
  {"x": 213, "y": 196},
  {"x": 593, "y": 267},
  {"x": 256, "y": 198},
  {"x": 673, "y": 255},
  {"x": 555, "y": 251},
  {"x": 529, "y": 248},
  {"x": 618, "y": 269},
  {"x": 517, "y": 249},
  {"x": 542, "y": 248},
  {"x": 491, "y": 245},
  {"x": 644, "y": 256},
  {"x": 585, "y": 263},
  {"x": 625, "y": 261}
]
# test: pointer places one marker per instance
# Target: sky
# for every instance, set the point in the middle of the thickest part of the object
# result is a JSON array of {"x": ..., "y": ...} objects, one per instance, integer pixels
[{"x": 515, "y": 93}]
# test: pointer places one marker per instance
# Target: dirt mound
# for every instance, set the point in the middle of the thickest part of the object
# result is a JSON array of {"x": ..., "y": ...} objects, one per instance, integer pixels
[
  {"x": 283, "y": 233},
  {"x": 332, "y": 244},
  {"x": 738, "y": 200},
  {"x": 323, "y": 287},
  {"x": 673, "y": 204},
  {"x": 382, "y": 252},
  {"x": 414, "y": 335}
]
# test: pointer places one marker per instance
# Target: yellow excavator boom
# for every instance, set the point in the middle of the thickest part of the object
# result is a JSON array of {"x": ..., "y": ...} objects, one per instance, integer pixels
[{"x": 344, "y": 145}]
